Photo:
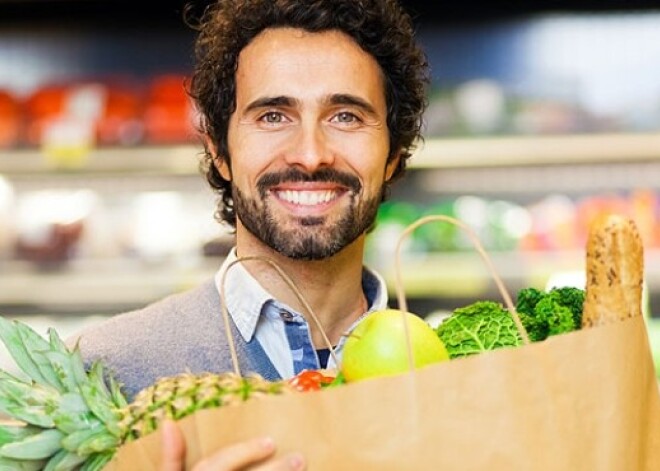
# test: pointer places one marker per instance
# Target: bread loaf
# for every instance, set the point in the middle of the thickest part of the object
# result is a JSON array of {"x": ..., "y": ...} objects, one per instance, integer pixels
[{"x": 615, "y": 271}]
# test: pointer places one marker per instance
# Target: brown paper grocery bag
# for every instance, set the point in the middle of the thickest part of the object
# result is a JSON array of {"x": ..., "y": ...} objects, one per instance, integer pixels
[
  {"x": 583, "y": 401},
  {"x": 587, "y": 400}
]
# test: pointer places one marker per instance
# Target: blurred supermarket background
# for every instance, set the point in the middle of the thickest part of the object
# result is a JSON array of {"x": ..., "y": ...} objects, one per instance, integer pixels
[{"x": 541, "y": 117}]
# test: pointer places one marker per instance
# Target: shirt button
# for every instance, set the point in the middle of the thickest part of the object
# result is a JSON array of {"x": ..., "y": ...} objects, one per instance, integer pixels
[{"x": 286, "y": 315}]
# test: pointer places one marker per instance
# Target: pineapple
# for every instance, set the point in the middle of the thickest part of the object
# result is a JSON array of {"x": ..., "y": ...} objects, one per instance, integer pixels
[{"x": 67, "y": 418}]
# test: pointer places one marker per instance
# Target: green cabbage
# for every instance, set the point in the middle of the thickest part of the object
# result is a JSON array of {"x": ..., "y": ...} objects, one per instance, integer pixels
[{"x": 481, "y": 326}]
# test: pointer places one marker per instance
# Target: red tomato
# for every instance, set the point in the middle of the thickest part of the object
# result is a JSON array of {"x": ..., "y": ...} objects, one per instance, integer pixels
[{"x": 310, "y": 380}]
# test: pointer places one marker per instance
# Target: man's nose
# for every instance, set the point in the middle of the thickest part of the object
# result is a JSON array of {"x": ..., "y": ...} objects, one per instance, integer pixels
[{"x": 310, "y": 149}]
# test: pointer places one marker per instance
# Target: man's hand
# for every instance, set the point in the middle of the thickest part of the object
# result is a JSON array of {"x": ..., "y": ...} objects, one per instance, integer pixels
[{"x": 254, "y": 454}]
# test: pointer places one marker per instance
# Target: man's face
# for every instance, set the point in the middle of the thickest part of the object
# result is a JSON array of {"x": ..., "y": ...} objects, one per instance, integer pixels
[{"x": 308, "y": 142}]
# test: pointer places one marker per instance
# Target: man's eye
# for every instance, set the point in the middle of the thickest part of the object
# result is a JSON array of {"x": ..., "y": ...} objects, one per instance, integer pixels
[
  {"x": 272, "y": 117},
  {"x": 346, "y": 117}
]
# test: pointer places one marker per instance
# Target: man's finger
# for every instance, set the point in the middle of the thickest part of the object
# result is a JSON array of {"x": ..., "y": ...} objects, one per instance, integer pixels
[
  {"x": 238, "y": 456},
  {"x": 173, "y": 453}
]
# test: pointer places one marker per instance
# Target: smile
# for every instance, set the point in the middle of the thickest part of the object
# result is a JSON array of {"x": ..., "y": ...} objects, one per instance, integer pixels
[{"x": 307, "y": 198}]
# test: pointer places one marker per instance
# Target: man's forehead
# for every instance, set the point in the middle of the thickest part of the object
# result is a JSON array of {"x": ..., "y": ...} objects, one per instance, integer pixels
[
  {"x": 302, "y": 65},
  {"x": 278, "y": 41}
]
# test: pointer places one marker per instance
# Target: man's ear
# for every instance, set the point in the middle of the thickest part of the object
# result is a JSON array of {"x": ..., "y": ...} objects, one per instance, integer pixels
[
  {"x": 392, "y": 165},
  {"x": 219, "y": 162},
  {"x": 222, "y": 166}
]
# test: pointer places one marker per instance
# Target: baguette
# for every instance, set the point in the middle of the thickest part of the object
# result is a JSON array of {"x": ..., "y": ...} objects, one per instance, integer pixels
[{"x": 615, "y": 271}]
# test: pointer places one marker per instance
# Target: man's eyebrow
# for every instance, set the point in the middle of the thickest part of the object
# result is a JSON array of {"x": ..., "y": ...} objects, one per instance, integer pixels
[
  {"x": 334, "y": 99},
  {"x": 348, "y": 99},
  {"x": 271, "y": 102}
]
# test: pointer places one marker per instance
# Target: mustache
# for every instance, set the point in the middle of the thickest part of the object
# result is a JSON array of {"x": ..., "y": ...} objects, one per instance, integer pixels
[{"x": 295, "y": 175}]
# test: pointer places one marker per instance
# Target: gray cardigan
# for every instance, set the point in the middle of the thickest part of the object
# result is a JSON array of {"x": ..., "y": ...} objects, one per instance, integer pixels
[{"x": 183, "y": 332}]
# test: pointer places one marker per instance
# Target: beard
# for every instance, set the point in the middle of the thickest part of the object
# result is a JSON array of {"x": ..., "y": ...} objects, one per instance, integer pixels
[{"x": 310, "y": 238}]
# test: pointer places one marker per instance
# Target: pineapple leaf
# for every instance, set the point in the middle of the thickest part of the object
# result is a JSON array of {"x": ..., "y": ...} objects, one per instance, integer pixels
[
  {"x": 14, "y": 433},
  {"x": 57, "y": 345},
  {"x": 4, "y": 376},
  {"x": 72, "y": 403},
  {"x": 97, "y": 379},
  {"x": 7, "y": 464},
  {"x": 97, "y": 462},
  {"x": 78, "y": 367},
  {"x": 24, "y": 402},
  {"x": 99, "y": 443},
  {"x": 9, "y": 334},
  {"x": 64, "y": 461},
  {"x": 35, "y": 447},
  {"x": 73, "y": 441},
  {"x": 102, "y": 407},
  {"x": 72, "y": 414},
  {"x": 55, "y": 342},
  {"x": 117, "y": 397},
  {"x": 23, "y": 393},
  {"x": 64, "y": 368},
  {"x": 35, "y": 415},
  {"x": 75, "y": 358},
  {"x": 35, "y": 346}
]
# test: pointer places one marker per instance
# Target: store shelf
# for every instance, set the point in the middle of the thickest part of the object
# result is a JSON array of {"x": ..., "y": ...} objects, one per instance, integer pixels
[
  {"x": 433, "y": 153},
  {"x": 537, "y": 150},
  {"x": 115, "y": 285},
  {"x": 94, "y": 286},
  {"x": 465, "y": 275},
  {"x": 144, "y": 160}
]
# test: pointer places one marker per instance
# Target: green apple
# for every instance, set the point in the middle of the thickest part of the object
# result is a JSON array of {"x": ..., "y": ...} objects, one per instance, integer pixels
[{"x": 378, "y": 347}]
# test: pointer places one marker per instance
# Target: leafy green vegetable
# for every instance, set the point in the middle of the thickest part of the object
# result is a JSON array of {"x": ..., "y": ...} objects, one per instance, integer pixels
[
  {"x": 550, "y": 313},
  {"x": 338, "y": 381},
  {"x": 573, "y": 299},
  {"x": 481, "y": 326},
  {"x": 487, "y": 325}
]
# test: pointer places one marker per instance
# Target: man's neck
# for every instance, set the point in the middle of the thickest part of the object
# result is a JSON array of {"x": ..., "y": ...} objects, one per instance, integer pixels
[{"x": 332, "y": 287}]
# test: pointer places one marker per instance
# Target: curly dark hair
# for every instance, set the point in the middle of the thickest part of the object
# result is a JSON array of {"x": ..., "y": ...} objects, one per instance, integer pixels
[{"x": 380, "y": 27}]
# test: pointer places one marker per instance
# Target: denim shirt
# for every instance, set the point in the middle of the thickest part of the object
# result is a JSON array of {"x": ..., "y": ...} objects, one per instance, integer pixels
[{"x": 282, "y": 332}]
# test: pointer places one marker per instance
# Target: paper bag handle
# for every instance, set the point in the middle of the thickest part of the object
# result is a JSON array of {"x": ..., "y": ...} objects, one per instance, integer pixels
[
  {"x": 401, "y": 298},
  {"x": 290, "y": 283}
]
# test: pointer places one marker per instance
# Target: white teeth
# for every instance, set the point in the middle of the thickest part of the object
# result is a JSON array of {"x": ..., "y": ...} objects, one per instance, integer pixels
[{"x": 306, "y": 198}]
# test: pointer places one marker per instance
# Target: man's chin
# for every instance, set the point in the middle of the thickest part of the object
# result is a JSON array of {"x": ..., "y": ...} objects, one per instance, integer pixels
[
  {"x": 311, "y": 221},
  {"x": 308, "y": 248}
]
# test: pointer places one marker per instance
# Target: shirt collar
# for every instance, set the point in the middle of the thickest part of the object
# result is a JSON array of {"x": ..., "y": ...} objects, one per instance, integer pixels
[{"x": 245, "y": 297}]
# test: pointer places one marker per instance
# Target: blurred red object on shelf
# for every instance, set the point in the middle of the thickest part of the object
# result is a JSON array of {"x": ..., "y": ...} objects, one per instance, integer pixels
[
  {"x": 10, "y": 120},
  {"x": 42, "y": 106},
  {"x": 169, "y": 112},
  {"x": 112, "y": 107},
  {"x": 121, "y": 120}
]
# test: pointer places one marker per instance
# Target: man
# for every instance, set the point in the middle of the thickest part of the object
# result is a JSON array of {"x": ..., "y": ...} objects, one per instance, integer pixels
[{"x": 309, "y": 109}]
